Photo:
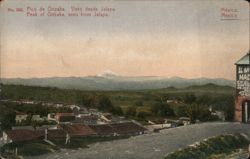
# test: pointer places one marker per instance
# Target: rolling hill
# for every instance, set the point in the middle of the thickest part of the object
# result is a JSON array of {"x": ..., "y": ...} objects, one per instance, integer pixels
[{"x": 116, "y": 82}]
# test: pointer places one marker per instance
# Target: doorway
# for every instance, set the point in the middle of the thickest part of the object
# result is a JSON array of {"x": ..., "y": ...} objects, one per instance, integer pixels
[{"x": 246, "y": 111}]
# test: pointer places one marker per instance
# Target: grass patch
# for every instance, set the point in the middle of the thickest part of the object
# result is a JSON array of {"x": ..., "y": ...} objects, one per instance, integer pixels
[{"x": 224, "y": 144}]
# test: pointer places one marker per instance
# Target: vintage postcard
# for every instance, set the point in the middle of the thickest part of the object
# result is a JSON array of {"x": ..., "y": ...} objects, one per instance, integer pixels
[{"x": 123, "y": 79}]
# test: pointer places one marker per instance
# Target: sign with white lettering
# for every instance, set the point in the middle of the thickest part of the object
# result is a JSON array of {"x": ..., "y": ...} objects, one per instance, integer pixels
[{"x": 243, "y": 81}]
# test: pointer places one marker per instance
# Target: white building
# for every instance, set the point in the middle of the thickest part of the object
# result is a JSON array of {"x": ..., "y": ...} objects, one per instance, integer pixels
[{"x": 20, "y": 117}]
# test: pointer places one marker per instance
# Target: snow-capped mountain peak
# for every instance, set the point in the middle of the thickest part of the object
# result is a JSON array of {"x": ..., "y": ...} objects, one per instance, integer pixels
[{"x": 107, "y": 73}]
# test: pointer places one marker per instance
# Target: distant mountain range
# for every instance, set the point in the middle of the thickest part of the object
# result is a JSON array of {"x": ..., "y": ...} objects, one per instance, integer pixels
[{"x": 109, "y": 81}]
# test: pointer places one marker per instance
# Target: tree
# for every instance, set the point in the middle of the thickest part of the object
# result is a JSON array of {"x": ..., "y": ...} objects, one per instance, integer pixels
[
  {"x": 142, "y": 115},
  {"x": 225, "y": 104},
  {"x": 181, "y": 111},
  {"x": 105, "y": 104},
  {"x": 34, "y": 123},
  {"x": 155, "y": 108},
  {"x": 204, "y": 99},
  {"x": 117, "y": 110},
  {"x": 130, "y": 111},
  {"x": 7, "y": 117},
  {"x": 205, "y": 115},
  {"x": 161, "y": 109},
  {"x": 88, "y": 101},
  {"x": 229, "y": 110},
  {"x": 190, "y": 98},
  {"x": 193, "y": 111},
  {"x": 139, "y": 103}
]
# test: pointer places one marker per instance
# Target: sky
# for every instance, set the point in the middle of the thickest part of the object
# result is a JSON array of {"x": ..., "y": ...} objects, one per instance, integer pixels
[{"x": 185, "y": 38}]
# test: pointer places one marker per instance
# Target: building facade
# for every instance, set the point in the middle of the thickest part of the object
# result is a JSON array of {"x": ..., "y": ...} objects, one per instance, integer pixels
[
  {"x": 242, "y": 100},
  {"x": 20, "y": 117}
]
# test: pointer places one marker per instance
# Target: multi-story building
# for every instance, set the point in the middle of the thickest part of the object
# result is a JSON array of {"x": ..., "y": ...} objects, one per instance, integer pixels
[{"x": 242, "y": 103}]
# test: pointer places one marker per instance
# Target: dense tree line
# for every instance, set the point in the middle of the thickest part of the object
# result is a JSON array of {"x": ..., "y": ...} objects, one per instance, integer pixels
[
  {"x": 194, "y": 105},
  {"x": 100, "y": 102}
]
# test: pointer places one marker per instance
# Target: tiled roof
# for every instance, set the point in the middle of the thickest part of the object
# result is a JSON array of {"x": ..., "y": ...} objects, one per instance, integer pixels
[
  {"x": 24, "y": 134},
  {"x": 64, "y": 117},
  {"x": 64, "y": 114},
  {"x": 119, "y": 128},
  {"x": 89, "y": 117},
  {"x": 76, "y": 130},
  {"x": 23, "y": 127},
  {"x": 56, "y": 133},
  {"x": 20, "y": 113},
  {"x": 104, "y": 129}
]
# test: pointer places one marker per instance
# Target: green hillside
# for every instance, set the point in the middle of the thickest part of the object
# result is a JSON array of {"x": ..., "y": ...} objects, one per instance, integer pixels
[{"x": 121, "y": 98}]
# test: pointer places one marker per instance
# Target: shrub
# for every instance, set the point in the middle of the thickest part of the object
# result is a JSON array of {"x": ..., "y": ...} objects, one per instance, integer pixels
[{"x": 216, "y": 145}]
